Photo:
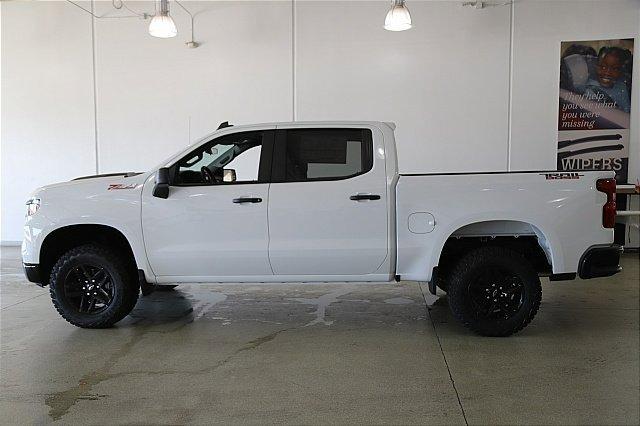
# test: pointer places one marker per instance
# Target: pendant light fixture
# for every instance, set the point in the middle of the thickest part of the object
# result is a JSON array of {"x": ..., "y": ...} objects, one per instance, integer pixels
[
  {"x": 162, "y": 24},
  {"x": 398, "y": 17}
]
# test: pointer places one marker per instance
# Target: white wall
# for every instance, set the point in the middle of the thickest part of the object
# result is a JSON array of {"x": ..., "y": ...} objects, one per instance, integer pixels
[
  {"x": 156, "y": 95},
  {"x": 446, "y": 82},
  {"x": 47, "y": 104}
]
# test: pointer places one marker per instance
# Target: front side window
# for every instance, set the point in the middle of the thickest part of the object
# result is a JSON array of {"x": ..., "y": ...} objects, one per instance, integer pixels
[
  {"x": 327, "y": 154},
  {"x": 228, "y": 159}
]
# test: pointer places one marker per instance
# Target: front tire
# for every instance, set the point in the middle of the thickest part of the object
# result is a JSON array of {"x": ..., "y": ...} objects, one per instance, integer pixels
[
  {"x": 91, "y": 288},
  {"x": 494, "y": 291}
]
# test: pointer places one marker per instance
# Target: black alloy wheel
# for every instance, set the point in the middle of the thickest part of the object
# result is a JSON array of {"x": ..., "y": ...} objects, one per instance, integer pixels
[
  {"x": 496, "y": 294},
  {"x": 89, "y": 288}
]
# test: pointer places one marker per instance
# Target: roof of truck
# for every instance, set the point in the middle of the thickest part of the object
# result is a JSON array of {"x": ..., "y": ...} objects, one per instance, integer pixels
[{"x": 392, "y": 125}]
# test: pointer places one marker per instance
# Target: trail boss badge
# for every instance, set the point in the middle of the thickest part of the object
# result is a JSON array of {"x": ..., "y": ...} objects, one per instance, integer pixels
[{"x": 554, "y": 176}]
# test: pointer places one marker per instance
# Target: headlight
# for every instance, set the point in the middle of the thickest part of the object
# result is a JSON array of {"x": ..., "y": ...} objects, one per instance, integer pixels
[{"x": 32, "y": 206}]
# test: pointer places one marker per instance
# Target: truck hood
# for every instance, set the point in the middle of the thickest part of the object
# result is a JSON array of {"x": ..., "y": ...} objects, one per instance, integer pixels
[
  {"x": 112, "y": 200},
  {"x": 96, "y": 183},
  {"x": 123, "y": 174}
]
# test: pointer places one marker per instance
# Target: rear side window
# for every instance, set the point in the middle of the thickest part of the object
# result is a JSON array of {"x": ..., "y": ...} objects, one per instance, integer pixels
[{"x": 327, "y": 154}]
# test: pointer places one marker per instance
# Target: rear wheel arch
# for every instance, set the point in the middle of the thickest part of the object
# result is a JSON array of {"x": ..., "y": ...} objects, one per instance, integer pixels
[
  {"x": 61, "y": 240},
  {"x": 520, "y": 236}
]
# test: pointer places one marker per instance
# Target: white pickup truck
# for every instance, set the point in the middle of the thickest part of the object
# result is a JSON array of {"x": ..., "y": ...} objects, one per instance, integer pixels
[{"x": 317, "y": 202}]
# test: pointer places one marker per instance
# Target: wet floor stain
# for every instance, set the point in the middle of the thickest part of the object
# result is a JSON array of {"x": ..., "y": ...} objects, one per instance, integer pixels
[
  {"x": 153, "y": 316},
  {"x": 205, "y": 302},
  {"x": 261, "y": 340},
  {"x": 322, "y": 304},
  {"x": 60, "y": 403}
]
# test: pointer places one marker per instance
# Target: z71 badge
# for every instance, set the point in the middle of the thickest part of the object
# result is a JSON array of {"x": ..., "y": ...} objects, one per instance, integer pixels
[
  {"x": 554, "y": 176},
  {"x": 121, "y": 186}
]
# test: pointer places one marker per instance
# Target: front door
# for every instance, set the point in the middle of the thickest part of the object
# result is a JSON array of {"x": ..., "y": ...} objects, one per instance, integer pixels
[
  {"x": 213, "y": 226},
  {"x": 328, "y": 203}
]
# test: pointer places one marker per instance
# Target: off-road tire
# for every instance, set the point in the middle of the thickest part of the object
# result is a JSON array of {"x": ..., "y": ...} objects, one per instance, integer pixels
[
  {"x": 466, "y": 273},
  {"x": 125, "y": 286}
]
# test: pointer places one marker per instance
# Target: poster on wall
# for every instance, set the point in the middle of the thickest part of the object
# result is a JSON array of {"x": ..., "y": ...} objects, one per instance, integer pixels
[{"x": 595, "y": 105}]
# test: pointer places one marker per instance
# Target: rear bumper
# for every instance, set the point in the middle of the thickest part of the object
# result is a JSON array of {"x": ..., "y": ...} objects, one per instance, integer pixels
[
  {"x": 33, "y": 273},
  {"x": 600, "y": 261}
]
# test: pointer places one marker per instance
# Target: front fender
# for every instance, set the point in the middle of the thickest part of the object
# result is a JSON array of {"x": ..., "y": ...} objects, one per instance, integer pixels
[{"x": 88, "y": 202}]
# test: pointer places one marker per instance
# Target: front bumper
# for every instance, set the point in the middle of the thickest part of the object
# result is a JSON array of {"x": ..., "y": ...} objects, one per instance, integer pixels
[
  {"x": 33, "y": 273},
  {"x": 600, "y": 261}
]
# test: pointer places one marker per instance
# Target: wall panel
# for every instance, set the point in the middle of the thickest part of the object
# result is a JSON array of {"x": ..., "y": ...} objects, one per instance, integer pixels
[
  {"x": 445, "y": 83},
  {"x": 155, "y": 96},
  {"x": 47, "y": 102}
]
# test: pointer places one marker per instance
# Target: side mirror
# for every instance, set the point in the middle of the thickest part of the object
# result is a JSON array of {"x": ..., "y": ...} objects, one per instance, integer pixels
[
  {"x": 229, "y": 175},
  {"x": 161, "y": 189}
]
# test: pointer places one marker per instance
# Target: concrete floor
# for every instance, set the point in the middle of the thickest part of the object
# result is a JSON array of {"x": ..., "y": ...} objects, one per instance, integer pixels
[{"x": 336, "y": 354}]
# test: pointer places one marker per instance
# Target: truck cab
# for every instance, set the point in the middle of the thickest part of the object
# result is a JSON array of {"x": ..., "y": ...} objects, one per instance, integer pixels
[{"x": 292, "y": 202}]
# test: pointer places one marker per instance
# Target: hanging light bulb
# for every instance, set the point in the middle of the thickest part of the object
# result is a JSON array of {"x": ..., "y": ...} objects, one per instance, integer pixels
[
  {"x": 162, "y": 25},
  {"x": 398, "y": 17}
]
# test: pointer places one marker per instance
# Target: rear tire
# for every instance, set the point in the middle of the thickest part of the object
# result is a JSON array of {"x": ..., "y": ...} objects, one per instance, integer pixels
[
  {"x": 494, "y": 291},
  {"x": 91, "y": 288}
]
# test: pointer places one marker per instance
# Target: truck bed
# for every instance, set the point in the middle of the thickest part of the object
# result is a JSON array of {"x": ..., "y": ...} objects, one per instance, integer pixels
[{"x": 556, "y": 207}]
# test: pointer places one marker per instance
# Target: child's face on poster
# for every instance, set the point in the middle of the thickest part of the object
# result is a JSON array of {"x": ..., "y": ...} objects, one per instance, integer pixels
[{"x": 609, "y": 70}]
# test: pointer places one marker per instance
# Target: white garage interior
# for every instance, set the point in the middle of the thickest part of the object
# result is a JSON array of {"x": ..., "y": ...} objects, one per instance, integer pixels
[{"x": 471, "y": 87}]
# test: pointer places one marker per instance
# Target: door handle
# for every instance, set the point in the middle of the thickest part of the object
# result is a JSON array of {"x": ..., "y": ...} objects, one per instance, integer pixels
[
  {"x": 359, "y": 197},
  {"x": 242, "y": 200}
]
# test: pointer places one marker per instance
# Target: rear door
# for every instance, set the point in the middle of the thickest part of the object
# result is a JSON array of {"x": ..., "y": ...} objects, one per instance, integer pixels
[{"x": 328, "y": 202}]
